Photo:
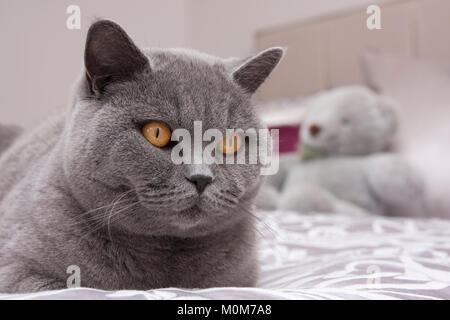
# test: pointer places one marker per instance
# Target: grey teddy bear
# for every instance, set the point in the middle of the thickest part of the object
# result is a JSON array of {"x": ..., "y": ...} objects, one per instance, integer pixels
[{"x": 343, "y": 166}]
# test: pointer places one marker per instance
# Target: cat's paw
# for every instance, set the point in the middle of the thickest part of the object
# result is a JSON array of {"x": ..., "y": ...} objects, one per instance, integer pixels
[{"x": 19, "y": 280}]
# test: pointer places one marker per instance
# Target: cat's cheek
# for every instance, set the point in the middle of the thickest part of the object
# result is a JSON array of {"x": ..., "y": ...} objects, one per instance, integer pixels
[{"x": 136, "y": 158}]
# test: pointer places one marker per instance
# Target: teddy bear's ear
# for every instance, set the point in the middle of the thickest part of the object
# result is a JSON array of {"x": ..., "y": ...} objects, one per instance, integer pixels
[{"x": 388, "y": 114}]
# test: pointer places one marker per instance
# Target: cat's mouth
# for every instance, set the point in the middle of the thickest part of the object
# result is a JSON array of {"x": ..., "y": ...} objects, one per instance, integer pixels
[{"x": 178, "y": 212}]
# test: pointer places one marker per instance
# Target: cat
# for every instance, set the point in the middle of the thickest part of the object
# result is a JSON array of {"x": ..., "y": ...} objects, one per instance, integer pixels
[{"x": 88, "y": 189}]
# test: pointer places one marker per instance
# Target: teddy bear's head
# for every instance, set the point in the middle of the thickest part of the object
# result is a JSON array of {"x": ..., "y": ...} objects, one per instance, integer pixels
[{"x": 349, "y": 120}]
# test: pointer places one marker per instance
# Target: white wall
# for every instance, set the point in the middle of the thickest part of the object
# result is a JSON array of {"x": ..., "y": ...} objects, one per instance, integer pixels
[
  {"x": 40, "y": 57},
  {"x": 227, "y": 28}
]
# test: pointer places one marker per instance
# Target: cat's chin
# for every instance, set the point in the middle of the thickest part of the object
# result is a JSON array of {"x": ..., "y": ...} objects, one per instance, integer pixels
[
  {"x": 189, "y": 218},
  {"x": 196, "y": 223},
  {"x": 193, "y": 221}
]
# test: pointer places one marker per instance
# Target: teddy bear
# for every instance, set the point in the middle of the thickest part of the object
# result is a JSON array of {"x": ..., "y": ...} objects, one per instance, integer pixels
[{"x": 344, "y": 164}]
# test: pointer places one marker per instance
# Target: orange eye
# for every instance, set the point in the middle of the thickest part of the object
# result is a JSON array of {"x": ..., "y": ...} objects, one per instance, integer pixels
[
  {"x": 157, "y": 134},
  {"x": 231, "y": 144}
]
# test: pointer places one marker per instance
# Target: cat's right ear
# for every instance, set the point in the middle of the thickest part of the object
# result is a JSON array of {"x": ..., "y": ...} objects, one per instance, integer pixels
[
  {"x": 254, "y": 71},
  {"x": 110, "y": 56}
]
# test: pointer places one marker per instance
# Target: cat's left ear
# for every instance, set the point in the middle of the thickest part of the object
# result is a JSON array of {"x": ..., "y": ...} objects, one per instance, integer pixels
[
  {"x": 110, "y": 56},
  {"x": 254, "y": 71}
]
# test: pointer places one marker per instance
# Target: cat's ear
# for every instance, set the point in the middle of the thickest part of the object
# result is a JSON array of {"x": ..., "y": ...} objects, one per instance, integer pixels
[
  {"x": 252, "y": 73},
  {"x": 110, "y": 56}
]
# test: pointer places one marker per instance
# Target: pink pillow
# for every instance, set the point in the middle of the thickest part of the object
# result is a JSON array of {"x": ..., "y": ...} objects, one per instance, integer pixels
[
  {"x": 422, "y": 91},
  {"x": 285, "y": 115},
  {"x": 289, "y": 138}
]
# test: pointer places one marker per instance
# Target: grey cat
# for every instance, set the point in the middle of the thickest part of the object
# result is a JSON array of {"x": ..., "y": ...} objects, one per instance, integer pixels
[{"x": 86, "y": 188}]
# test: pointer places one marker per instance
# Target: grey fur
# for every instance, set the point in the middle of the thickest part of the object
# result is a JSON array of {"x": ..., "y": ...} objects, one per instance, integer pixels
[
  {"x": 87, "y": 189},
  {"x": 7, "y": 136}
]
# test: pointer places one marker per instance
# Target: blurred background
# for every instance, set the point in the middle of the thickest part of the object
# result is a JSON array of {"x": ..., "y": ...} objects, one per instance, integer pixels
[
  {"x": 329, "y": 45},
  {"x": 41, "y": 57}
]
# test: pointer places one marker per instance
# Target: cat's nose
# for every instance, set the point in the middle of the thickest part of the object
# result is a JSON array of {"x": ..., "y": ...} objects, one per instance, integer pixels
[
  {"x": 200, "y": 181},
  {"x": 199, "y": 175},
  {"x": 314, "y": 130}
]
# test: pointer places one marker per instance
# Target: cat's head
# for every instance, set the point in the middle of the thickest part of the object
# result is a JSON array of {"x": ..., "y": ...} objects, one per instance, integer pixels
[
  {"x": 127, "y": 104},
  {"x": 349, "y": 120}
]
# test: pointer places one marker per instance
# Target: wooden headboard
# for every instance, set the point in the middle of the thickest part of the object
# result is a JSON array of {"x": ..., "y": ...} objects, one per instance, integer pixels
[{"x": 324, "y": 53}]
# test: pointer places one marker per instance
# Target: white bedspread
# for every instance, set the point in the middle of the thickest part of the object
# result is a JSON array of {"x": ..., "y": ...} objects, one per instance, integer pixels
[{"x": 327, "y": 257}]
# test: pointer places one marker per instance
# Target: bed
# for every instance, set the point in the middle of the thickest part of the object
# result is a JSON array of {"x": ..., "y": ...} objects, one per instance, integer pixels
[{"x": 326, "y": 257}]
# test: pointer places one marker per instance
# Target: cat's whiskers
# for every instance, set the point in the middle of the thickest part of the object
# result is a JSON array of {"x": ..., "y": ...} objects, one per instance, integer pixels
[
  {"x": 227, "y": 194},
  {"x": 261, "y": 221},
  {"x": 103, "y": 219},
  {"x": 218, "y": 199},
  {"x": 92, "y": 219},
  {"x": 110, "y": 214},
  {"x": 87, "y": 216},
  {"x": 114, "y": 218}
]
